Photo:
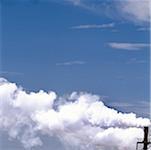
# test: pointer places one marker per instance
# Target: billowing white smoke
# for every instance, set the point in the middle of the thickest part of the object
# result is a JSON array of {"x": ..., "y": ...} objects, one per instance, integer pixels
[{"x": 80, "y": 120}]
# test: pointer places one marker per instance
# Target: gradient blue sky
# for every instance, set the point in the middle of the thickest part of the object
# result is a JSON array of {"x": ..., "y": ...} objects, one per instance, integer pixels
[
  {"x": 72, "y": 45},
  {"x": 98, "y": 46}
]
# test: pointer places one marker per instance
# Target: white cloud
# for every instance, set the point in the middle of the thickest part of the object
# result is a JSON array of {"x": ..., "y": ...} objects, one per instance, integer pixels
[
  {"x": 69, "y": 63},
  {"x": 135, "y": 10},
  {"x": 94, "y": 26},
  {"x": 82, "y": 121},
  {"x": 128, "y": 46}
]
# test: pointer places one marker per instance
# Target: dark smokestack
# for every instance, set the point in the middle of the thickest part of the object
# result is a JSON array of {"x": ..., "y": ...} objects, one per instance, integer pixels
[
  {"x": 145, "y": 138},
  {"x": 145, "y": 142}
]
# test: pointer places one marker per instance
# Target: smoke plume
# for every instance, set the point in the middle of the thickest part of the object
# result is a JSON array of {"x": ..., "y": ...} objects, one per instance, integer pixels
[{"x": 80, "y": 120}]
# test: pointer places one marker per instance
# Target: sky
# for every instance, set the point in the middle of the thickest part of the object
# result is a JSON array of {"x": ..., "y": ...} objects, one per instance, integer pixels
[{"x": 96, "y": 46}]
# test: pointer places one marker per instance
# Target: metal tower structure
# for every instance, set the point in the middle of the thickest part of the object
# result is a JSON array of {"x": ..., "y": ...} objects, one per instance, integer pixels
[{"x": 145, "y": 141}]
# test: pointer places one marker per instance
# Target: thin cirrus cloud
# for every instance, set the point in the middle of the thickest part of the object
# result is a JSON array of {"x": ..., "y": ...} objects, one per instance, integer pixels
[
  {"x": 136, "y": 11},
  {"x": 70, "y": 63},
  {"x": 136, "y": 61},
  {"x": 128, "y": 46},
  {"x": 145, "y": 29},
  {"x": 11, "y": 73},
  {"x": 140, "y": 106},
  {"x": 74, "y": 2},
  {"x": 94, "y": 26},
  {"x": 144, "y": 104}
]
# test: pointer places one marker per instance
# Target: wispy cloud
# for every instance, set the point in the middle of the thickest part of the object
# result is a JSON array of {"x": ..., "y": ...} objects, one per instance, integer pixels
[
  {"x": 140, "y": 103},
  {"x": 10, "y": 73},
  {"x": 69, "y": 63},
  {"x": 128, "y": 46},
  {"x": 94, "y": 26},
  {"x": 121, "y": 104},
  {"x": 132, "y": 10},
  {"x": 75, "y": 2},
  {"x": 143, "y": 29},
  {"x": 139, "y": 107},
  {"x": 136, "y": 61},
  {"x": 135, "y": 10}
]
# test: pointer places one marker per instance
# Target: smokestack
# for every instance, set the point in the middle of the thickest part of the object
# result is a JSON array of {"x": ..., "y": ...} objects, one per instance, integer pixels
[
  {"x": 145, "y": 142},
  {"x": 145, "y": 138}
]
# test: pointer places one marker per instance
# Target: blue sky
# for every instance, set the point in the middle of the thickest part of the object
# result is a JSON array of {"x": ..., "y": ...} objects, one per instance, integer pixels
[
  {"x": 97, "y": 46},
  {"x": 100, "y": 47}
]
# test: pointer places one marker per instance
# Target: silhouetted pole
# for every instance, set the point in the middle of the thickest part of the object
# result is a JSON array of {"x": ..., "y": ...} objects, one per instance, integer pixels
[
  {"x": 145, "y": 138},
  {"x": 145, "y": 142}
]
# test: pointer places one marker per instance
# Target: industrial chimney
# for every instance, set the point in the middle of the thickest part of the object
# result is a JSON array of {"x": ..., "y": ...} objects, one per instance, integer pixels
[{"x": 145, "y": 142}]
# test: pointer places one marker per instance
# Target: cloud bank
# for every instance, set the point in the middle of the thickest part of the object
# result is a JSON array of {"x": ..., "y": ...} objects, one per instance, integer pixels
[{"x": 79, "y": 120}]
